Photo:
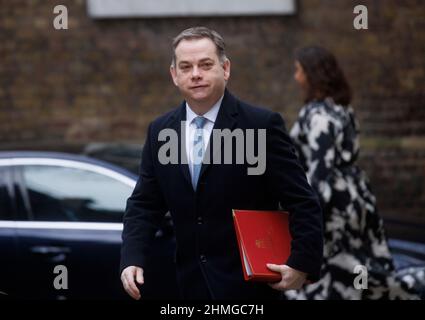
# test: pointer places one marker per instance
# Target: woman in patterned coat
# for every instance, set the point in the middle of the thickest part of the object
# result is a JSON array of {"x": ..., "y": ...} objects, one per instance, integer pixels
[{"x": 326, "y": 137}]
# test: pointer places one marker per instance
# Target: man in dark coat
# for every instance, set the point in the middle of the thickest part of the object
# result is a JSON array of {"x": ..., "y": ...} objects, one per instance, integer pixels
[{"x": 200, "y": 195}]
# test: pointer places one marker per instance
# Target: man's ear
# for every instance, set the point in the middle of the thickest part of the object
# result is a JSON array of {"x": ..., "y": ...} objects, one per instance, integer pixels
[
  {"x": 173, "y": 73},
  {"x": 226, "y": 67}
]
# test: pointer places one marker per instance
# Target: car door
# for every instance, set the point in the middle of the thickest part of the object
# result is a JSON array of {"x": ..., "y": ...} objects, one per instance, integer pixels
[
  {"x": 71, "y": 222},
  {"x": 74, "y": 221},
  {"x": 8, "y": 245}
]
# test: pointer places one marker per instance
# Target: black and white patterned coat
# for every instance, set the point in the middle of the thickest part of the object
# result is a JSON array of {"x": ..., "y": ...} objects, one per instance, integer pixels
[{"x": 326, "y": 138}]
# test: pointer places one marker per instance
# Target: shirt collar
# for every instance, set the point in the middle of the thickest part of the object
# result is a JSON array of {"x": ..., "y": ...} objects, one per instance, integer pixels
[{"x": 211, "y": 115}]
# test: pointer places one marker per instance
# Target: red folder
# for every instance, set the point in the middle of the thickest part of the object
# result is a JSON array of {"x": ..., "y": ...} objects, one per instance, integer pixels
[{"x": 263, "y": 237}]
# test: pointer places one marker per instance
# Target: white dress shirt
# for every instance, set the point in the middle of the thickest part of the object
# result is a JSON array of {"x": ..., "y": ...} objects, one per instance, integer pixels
[{"x": 211, "y": 116}]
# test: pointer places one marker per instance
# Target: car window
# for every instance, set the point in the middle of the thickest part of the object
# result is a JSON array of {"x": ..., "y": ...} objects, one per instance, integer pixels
[
  {"x": 70, "y": 194},
  {"x": 5, "y": 196}
]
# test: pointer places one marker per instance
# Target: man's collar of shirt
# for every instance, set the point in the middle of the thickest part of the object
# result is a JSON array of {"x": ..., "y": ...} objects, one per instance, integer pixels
[{"x": 211, "y": 115}]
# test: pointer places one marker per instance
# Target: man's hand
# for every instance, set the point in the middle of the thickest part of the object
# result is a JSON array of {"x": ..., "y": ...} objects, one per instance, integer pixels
[
  {"x": 128, "y": 277},
  {"x": 291, "y": 278}
]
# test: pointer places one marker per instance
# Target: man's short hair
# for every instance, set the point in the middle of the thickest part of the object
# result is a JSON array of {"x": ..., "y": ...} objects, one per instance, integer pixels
[{"x": 200, "y": 33}]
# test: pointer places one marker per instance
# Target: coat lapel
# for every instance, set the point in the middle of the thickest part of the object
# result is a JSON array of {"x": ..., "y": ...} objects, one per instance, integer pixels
[{"x": 178, "y": 117}]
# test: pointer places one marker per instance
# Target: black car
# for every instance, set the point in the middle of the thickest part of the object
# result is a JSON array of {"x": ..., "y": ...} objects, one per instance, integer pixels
[{"x": 66, "y": 210}]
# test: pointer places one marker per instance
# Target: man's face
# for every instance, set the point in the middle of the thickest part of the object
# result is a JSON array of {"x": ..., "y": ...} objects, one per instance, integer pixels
[{"x": 198, "y": 72}]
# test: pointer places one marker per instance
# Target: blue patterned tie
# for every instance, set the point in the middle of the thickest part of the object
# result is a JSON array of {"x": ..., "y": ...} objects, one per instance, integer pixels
[{"x": 198, "y": 149}]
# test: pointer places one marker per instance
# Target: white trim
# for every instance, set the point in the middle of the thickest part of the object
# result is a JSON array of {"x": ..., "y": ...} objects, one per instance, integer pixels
[
  {"x": 61, "y": 225},
  {"x": 69, "y": 164},
  {"x": 183, "y": 8}
]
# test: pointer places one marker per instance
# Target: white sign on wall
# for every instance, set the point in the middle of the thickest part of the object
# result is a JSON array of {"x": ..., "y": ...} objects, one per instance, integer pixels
[{"x": 184, "y": 8}]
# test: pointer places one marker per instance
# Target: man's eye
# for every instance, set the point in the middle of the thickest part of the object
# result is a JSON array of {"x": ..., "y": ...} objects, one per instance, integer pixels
[
  {"x": 184, "y": 68},
  {"x": 206, "y": 65}
]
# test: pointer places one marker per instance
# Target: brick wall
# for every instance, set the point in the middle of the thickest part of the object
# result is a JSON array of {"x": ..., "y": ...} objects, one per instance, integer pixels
[{"x": 105, "y": 80}]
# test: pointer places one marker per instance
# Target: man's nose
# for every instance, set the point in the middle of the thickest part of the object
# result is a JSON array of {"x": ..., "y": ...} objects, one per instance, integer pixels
[{"x": 196, "y": 73}]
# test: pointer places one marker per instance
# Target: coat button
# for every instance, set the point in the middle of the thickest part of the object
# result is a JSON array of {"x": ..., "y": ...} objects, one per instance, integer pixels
[
  {"x": 203, "y": 258},
  {"x": 200, "y": 220}
]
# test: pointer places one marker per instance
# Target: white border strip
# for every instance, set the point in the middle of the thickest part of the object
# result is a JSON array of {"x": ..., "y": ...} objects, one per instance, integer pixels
[{"x": 184, "y": 8}]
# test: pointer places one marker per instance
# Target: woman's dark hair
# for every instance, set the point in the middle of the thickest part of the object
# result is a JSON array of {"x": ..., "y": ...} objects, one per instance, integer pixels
[{"x": 324, "y": 75}]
